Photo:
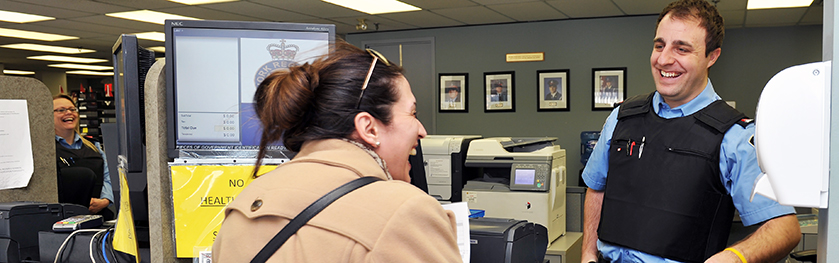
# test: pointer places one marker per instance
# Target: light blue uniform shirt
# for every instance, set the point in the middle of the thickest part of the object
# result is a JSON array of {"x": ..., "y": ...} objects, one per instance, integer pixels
[
  {"x": 107, "y": 189},
  {"x": 738, "y": 167}
]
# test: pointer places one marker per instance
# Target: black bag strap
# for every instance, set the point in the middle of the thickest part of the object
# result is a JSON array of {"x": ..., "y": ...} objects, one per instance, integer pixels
[{"x": 304, "y": 216}]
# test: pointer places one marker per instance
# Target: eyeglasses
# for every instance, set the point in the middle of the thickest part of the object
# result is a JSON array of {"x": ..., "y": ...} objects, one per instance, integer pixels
[
  {"x": 63, "y": 110},
  {"x": 376, "y": 56}
]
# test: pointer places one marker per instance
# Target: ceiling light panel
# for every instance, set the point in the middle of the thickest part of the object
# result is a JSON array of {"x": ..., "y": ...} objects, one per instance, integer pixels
[
  {"x": 68, "y": 59},
  {"x": 158, "y": 49},
  {"x": 16, "y": 17},
  {"x": 149, "y": 16},
  {"x": 7, "y": 32},
  {"x": 47, "y": 48},
  {"x": 87, "y": 72},
  {"x": 768, "y": 4},
  {"x": 79, "y": 66},
  {"x": 154, "y": 36},
  {"x": 17, "y": 72},
  {"x": 200, "y": 2},
  {"x": 374, "y": 7}
]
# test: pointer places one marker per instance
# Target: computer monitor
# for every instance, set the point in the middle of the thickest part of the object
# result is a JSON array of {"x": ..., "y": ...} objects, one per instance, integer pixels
[
  {"x": 212, "y": 71},
  {"x": 131, "y": 63}
]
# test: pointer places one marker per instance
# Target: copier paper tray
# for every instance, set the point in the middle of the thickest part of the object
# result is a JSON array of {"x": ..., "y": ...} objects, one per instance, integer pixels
[{"x": 507, "y": 240}]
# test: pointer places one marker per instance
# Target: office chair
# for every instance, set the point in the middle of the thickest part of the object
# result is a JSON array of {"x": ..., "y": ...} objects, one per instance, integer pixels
[
  {"x": 804, "y": 255},
  {"x": 75, "y": 185}
]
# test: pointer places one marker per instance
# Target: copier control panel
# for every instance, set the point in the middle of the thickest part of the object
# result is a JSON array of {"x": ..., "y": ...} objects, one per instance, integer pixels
[{"x": 530, "y": 177}]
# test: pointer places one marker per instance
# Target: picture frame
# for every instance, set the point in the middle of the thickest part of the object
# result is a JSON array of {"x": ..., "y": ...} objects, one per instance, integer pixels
[
  {"x": 553, "y": 90},
  {"x": 453, "y": 92},
  {"x": 499, "y": 91},
  {"x": 608, "y": 87}
]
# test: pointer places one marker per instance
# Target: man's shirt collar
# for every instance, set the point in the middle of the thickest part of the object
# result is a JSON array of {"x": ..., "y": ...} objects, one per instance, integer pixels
[{"x": 704, "y": 99}]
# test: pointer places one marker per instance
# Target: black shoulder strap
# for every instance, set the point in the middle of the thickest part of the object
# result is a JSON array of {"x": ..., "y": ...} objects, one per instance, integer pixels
[
  {"x": 310, "y": 211},
  {"x": 720, "y": 116},
  {"x": 635, "y": 105}
]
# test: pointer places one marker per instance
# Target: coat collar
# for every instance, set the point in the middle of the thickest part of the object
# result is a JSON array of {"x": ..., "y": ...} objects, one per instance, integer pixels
[{"x": 345, "y": 154}]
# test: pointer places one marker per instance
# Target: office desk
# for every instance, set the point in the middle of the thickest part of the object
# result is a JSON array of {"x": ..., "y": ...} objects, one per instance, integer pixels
[{"x": 566, "y": 249}]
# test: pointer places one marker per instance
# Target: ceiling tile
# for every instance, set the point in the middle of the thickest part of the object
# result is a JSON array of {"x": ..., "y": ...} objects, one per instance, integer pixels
[
  {"x": 40, "y": 9},
  {"x": 422, "y": 19},
  {"x": 207, "y": 14},
  {"x": 135, "y": 4},
  {"x": 734, "y": 18},
  {"x": 728, "y": 5},
  {"x": 774, "y": 17},
  {"x": 813, "y": 16},
  {"x": 495, "y": 2},
  {"x": 119, "y": 22},
  {"x": 265, "y": 12},
  {"x": 384, "y": 24},
  {"x": 312, "y": 8},
  {"x": 529, "y": 11},
  {"x": 77, "y": 5},
  {"x": 87, "y": 27},
  {"x": 474, "y": 15},
  {"x": 437, "y": 4},
  {"x": 582, "y": 8},
  {"x": 635, "y": 7}
]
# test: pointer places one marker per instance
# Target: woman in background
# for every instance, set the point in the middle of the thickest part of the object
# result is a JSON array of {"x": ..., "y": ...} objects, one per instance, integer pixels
[
  {"x": 83, "y": 176},
  {"x": 348, "y": 115}
]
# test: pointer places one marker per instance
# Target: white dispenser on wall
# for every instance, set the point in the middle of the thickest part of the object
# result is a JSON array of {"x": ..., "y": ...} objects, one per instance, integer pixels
[{"x": 792, "y": 136}]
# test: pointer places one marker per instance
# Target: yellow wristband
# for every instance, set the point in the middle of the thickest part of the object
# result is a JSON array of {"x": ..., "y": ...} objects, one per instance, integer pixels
[{"x": 742, "y": 258}]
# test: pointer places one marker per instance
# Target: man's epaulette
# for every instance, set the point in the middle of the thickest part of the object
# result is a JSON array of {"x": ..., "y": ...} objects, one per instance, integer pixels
[{"x": 745, "y": 122}]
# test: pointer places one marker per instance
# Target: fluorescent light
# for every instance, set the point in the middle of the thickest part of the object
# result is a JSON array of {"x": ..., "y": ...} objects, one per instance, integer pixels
[
  {"x": 149, "y": 16},
  {"x": 46, "y": 48},
  {"x": 200, "y": 2},
  {"x": 67, "y": 59},
  {"x": 155, "y": 36},
  {"x": 79, "y": 66},
  {"x": 17, "y": 72},
  {"x": 159, "y": 49},
  {"x": 374, "y": 7},
  {"x": 7, "y": 32},
  {"x": 16, "y": 17},
  {"x": 86, "y": 72},
  {"x": 767, "y": 4}
]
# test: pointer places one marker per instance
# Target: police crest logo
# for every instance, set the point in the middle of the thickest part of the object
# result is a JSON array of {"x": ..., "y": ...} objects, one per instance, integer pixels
[{"x": 282, "y": 56}]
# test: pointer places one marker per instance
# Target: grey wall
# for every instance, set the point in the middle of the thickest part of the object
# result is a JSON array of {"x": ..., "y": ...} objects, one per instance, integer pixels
[{"x": 750, "y": 57}]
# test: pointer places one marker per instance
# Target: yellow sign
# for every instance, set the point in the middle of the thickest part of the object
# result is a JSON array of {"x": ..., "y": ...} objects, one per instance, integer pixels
[
  {"x": 200, "y": 193},
  {"x": 526, "y": 57},
  {"x": 124, "y": 237}
]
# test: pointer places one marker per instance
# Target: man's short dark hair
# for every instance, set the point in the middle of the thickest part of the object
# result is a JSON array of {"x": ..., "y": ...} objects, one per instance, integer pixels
[{"x": 709, "y": 19}]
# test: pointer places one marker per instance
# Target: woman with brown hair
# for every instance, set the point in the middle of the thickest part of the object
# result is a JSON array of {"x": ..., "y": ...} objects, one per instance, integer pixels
[
  {"x": 83, "y": 178},
  {"x": 350, "y": 114}
]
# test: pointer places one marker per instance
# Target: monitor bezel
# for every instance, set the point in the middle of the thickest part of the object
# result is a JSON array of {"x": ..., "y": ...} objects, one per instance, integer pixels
[{"x": 170, "y": 25}]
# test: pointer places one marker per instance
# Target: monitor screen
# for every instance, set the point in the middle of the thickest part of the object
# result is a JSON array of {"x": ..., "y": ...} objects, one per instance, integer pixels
[
  {"x": 213, "y": 69},
  {"x": 525, "y": 177}
]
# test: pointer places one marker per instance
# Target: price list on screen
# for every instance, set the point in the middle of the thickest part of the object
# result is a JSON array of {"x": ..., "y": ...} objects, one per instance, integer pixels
[{"x": 203, "y": 126}]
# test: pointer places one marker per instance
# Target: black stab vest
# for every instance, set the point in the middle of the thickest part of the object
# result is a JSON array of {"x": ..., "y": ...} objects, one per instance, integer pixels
[
  {"x": 83, "y": 157},
  {"x": 670, "y": 202}
]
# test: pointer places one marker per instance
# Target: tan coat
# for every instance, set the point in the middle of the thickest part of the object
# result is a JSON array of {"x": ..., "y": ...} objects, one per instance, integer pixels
[{"x": 386, "y": 221}]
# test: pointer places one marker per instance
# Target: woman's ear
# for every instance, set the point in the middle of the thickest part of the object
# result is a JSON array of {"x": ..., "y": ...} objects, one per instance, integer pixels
[{"x": 367, "y": 129}]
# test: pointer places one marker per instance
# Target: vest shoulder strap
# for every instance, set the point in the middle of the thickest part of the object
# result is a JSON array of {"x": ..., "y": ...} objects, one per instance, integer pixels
[
  {"x": 720, "y": 116},
  {"x": 635, "y": 105}
]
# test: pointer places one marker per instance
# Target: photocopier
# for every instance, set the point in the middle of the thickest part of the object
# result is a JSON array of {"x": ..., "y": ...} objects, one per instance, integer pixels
[
  {"x": 443, "y": 157},
  {"x": 521, "y": 178}
]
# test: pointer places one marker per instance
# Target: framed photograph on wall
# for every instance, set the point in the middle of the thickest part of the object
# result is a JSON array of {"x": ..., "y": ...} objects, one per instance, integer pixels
[
  {"x": 553, "y": 90},
  {"x": 453, "y": 89},
  {"x": 608, "y": 87},
  {"x": 499, "y": 91}
]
